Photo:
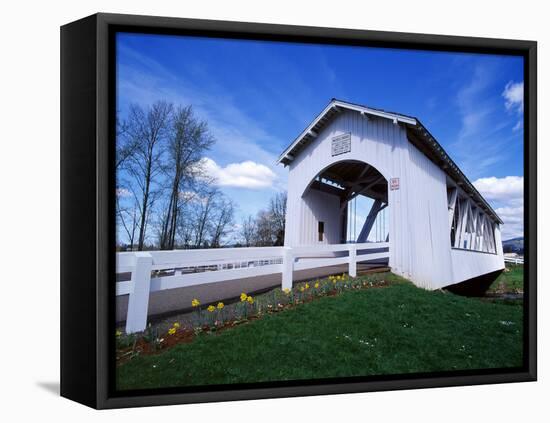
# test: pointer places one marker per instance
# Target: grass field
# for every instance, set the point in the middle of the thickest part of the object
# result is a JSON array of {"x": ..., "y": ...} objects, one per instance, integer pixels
[
  {"x": 391, "y": 330},
  {"x": 510, "y": 281}
]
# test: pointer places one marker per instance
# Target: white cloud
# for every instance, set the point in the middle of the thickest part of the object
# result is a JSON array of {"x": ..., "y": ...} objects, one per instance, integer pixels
[
  {"x": 247, "y": 174},
  {"x": 513, "y": 94},
  {"x": 511, "y": 214},
  {"x": 508, "y": 193},
  {"x": 500, "y": 189},
  {"x": 513, "y": 221}
]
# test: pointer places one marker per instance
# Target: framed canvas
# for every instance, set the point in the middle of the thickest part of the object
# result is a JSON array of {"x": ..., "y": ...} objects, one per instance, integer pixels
[{"x": 258, "y": 211}]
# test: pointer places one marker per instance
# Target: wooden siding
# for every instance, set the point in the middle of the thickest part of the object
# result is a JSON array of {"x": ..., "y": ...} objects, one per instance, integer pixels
[{"x": 320, "y": 207}]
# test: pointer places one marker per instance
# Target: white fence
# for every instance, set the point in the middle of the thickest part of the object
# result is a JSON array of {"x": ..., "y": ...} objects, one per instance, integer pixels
[
  {"x": 513, "y": 260},
  {"x": 159, "y": 270}
]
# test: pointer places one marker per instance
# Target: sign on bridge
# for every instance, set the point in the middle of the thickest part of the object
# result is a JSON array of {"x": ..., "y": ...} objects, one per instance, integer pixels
[
  {"x": 394, "y": 184},
  {"x": 341, "y": 144}
]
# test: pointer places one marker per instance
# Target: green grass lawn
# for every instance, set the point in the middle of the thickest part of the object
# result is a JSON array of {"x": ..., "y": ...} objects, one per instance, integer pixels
[
  {"x": 510, "y": 281},
  {"x": 392, "y": 330}
]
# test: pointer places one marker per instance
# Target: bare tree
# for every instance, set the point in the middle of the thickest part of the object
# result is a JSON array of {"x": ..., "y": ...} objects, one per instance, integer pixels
[
  {"x": 265, "y": 230},
  {"x": 268, "y": 228},
  {"x": 148, "y": 130},
  {"x": 185, "y": 229},
  {"x": 187, "y": 142},
  {"x": 277, "y": 211},
  {"x": 129, "y": 219},
  {"x": 128, "y": 216},
  {"x": 209, "y": 220},
  {"x": 223, "y": 214},
  {"x": 168, "y": 199},
  {"x": 248, "y": 231},
  {"x": 125, "y": 143},
  {"x": 203, "y": 212}
]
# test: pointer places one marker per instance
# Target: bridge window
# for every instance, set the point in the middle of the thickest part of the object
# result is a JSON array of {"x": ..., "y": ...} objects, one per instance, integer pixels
[
  {"x": 321, "y": 230},
  {"x": 470, "y": 227},
  {"x": 455, "y": 213}
]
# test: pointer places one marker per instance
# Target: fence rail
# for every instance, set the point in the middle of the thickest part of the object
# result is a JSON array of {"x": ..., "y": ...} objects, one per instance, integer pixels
[
  {"x": 160, "y": 270},
  {"x": 513, "y": 260}
]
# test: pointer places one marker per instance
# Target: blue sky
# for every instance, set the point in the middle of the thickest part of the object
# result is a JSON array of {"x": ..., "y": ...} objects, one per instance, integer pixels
[{"x": 258, "y": 96}]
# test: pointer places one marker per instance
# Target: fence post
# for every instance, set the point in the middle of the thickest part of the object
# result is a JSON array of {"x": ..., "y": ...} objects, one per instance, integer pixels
[
  {"x": 352, "y": 271},
  {"x": 138, "y": 301},
  {"x": 288, "y": 267}
]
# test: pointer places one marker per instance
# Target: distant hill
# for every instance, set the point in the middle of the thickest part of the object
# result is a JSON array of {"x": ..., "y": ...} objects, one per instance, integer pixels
[{"x": 514, "y": 245}]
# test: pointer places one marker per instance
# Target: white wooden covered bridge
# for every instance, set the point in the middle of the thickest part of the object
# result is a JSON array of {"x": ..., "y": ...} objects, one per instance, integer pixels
[
  {"x": 440, "y": 230},
  {"x": 426, "y": 221}
]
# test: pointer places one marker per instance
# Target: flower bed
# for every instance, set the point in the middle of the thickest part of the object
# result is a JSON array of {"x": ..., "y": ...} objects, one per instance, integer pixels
[{"x": 219, "y": 316}]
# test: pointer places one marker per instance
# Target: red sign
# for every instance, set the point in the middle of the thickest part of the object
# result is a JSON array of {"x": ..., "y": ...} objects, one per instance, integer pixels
[{"x": 394, "y": 184}]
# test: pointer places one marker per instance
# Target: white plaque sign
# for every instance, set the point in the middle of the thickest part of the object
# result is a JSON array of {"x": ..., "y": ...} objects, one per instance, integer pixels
[{"x": 341, "y": 144}]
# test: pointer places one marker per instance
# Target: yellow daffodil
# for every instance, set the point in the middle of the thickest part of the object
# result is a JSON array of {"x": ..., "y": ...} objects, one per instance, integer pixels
[
  {"x": 244, "y": 297},
  {"x": 286, "y": 291},
  {"x": 316, "y": 285},
  {"x": 171, "y": 331},
  {"x": 220, "y": 306},
  {"x": 250, "y": 300},
  {"x": 302, "y": 289},
  {"x": 211, "y": 308},
  {"x": 118, "y": 333},
  {"x": 307, "y": 286},
  {"x": 176, "y": 325},
  {"x": 195, "y": 302}
]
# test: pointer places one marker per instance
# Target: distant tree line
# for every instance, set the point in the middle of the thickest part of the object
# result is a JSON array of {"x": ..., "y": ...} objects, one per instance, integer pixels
[
  {"x": 166, "y": 199},
  {"x": 267, "y": 228}
]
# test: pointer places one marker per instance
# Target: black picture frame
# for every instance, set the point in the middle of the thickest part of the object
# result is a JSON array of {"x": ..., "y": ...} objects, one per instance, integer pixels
[{"x": 87, "y": 204}]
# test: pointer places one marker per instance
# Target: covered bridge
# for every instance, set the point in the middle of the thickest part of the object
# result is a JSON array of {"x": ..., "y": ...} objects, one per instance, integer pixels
[
  {"x": 421, "y": 216},
  {"x": 437, "y": 228}
]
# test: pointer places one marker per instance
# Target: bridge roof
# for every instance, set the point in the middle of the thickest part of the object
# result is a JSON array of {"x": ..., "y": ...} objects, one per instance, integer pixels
[{"x": 416, "y": 133}]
